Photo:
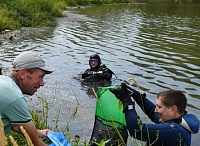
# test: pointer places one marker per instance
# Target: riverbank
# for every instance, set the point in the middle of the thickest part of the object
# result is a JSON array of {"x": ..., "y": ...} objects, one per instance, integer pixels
[{"x": 25, "y": 32}]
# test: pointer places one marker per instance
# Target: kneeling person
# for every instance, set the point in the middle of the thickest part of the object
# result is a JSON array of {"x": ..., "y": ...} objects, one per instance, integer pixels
[{"x": 27, "y": 75}]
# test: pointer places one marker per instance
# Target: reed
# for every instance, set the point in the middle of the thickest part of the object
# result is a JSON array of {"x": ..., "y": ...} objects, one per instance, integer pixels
[
  {"x": 3, "y": 139},
  {"x": 26, "y": 136},
  {"x": 13, "y": 141}
]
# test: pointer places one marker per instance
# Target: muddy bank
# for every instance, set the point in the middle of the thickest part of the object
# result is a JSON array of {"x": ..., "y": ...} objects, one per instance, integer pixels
[{"x": 23, "y": 33}]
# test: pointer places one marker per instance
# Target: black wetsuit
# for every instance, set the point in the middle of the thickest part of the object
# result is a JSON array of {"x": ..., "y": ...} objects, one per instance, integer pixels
[{"x": 99, "y": 74}]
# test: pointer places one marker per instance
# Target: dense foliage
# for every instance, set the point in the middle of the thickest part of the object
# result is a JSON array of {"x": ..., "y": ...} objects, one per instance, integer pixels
[{"x": 29, "y": 13}]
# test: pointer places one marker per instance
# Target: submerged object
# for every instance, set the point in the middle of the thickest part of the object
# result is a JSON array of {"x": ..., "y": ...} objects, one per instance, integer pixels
[
  {"x": 110, "y": 123},
  {"x": 58, "y": 139}
]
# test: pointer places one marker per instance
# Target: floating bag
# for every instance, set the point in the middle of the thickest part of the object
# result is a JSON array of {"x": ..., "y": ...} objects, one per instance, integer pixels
[
  {"x": 109, "y": 107},
  {"x": 58, "y": 139}
]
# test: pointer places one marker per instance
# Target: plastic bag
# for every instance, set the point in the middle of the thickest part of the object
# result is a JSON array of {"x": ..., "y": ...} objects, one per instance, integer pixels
[{"x": 58, "y": 139}]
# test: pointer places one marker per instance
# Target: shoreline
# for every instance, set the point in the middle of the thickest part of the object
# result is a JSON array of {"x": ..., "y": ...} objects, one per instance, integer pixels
[
  {"x": 22, "y": 33},
  {"x": 25, "y": 32}
]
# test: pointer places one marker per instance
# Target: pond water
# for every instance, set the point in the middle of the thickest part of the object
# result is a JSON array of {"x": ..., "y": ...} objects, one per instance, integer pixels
[{"x": 157, "y": 44}]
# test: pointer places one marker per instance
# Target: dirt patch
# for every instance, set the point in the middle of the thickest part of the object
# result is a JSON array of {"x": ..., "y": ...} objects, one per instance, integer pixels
[{"x": 23, "y": 33}]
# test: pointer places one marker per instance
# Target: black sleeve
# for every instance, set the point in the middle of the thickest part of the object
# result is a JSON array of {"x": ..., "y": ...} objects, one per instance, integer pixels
[
  {"x": 87, "y": 73},
  {"x": 101, "y": 74},
  {"x": 108, "y": 74}
]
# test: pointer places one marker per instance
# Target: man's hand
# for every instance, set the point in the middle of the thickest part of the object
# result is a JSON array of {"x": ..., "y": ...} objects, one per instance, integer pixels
[
  {"x": 43, "y": 133},
  {"x": 33, "y": 133},
  {"x": 136, "y": 95},
  {"x": 123, "y": 95}
]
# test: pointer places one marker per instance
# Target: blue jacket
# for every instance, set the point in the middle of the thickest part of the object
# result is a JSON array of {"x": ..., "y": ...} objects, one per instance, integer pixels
[{"x": 172, "y": 133}]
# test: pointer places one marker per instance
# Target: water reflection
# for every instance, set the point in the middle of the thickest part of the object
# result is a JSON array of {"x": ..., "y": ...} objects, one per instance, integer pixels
[{"x": 157, "y": 44}]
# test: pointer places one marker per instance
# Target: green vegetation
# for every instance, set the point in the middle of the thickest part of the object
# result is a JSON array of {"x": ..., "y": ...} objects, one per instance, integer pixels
[
  {"x": 15, "y": 14},
  {"x": 88, "y": 2},
  {"x": 40, "y": 119},
  {"x": 29, "y": 13}
]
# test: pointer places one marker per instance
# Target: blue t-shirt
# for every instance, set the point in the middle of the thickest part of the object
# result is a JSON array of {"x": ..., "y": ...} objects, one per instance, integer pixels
[{"x": 13, "y": 105}]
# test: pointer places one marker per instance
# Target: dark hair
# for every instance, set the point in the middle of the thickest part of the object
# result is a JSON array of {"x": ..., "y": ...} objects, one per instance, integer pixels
[{"x": 174, "y": 97}]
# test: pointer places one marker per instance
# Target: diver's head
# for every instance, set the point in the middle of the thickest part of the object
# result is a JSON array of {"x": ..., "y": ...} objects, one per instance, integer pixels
[{"x": 95, "y": 61}]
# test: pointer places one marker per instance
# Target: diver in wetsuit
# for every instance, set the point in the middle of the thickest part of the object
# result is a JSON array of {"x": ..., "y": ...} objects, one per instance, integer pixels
[
  {"x": 97, "y": 72},
  {"x": 172, "y": 125}
]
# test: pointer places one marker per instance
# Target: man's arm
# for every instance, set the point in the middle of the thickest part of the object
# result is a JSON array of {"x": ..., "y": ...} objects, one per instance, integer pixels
[
  {"x": 87, "y": 73},
  {"x": 169, "y": 133},
  {"x": 33, "y": 133},
  {"x": 145, "y": 104}
]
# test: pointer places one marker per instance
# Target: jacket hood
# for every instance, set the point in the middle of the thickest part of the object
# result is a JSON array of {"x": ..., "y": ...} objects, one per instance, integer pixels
[{"x": 190, "y": 122}]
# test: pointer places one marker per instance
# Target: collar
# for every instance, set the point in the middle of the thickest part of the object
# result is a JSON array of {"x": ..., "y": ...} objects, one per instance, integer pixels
[
  {"x": 15, "y": 79},
  {"x": 177, "y": 120}
]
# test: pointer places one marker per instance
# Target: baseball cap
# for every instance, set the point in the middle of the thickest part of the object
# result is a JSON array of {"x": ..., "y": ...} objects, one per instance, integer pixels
[{"x": 30, "y": 60}]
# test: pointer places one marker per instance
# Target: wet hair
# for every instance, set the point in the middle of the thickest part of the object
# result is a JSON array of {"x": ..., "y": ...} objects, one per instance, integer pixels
[{"x": 174, "y": 97}]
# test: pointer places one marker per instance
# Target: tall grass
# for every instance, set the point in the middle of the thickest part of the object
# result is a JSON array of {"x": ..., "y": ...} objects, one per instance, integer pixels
[
  {"x": 40, "y": 119},
  {"x": 88, "y": 2},
  {"x": 29, "y": 13},
  {"x": 15, "y": 14}
]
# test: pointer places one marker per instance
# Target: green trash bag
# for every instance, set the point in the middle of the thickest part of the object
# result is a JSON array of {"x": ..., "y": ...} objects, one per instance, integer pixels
[
  {"x": 110, "y": 108},
  {"x": 104, "y": 128}
]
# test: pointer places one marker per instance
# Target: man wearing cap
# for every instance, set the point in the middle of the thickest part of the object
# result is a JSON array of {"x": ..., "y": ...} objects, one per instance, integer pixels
[{"x": 28, "y": 71}]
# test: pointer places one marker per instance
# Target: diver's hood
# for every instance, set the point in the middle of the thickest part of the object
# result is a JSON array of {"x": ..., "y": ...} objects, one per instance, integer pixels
[
  {"x": 190, "y": 122},
  {"x": 95, "y": 56}
]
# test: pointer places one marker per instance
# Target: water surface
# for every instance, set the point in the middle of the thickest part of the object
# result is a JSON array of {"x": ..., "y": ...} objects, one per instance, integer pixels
[{"x": 157, "y": 44}]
